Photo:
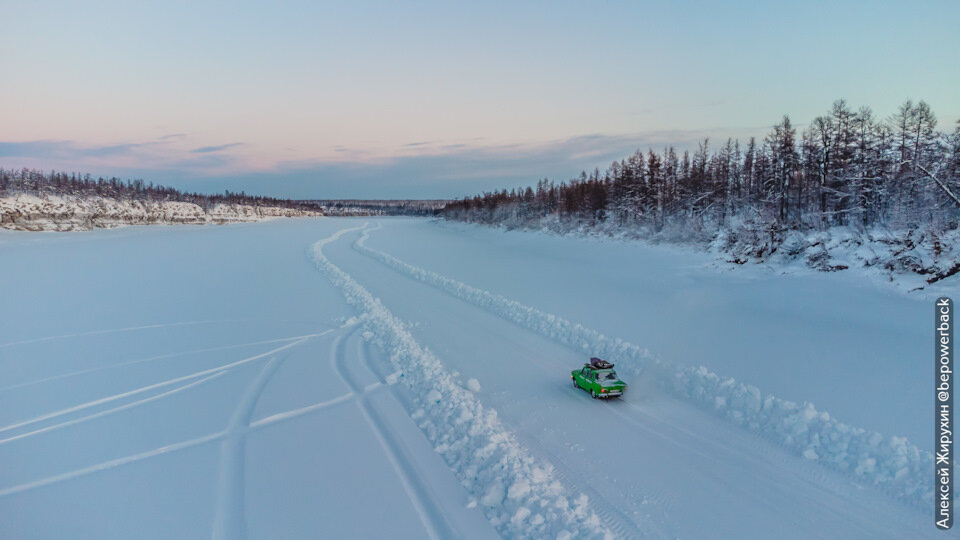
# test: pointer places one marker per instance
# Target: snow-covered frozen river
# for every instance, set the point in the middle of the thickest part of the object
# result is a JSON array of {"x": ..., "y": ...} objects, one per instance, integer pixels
[{"x": 406, "y": 378}]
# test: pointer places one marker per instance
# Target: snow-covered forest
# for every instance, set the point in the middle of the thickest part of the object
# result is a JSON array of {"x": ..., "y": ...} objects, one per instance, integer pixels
[
  {"x": 846, "y": 170},
  {"x": 32, "y": 200},
  {"x": 36, "y": 200},
  {"x": 40, "y": 183},
  {"x": 381, "y": 207}
]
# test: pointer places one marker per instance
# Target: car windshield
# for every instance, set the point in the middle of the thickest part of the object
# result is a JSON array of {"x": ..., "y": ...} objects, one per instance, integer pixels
[{"x": 606, "y": 375}]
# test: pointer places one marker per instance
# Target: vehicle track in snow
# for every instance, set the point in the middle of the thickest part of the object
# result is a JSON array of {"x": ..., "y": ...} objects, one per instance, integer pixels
[
  {"x": 133, "y": 329},
  {"x": 170, "y": 448},
  {"x": 113, "y": 463},
  {"x": 154, "y": 358},
  {"x": 719, "y": 451},
  {"x": 229, "y": 520},
  {"x": 618, "y": 522},
  {"x": 238, "y": 427},
  {"x": 179, "y": 445},
  {"x": 157, "y": 385},
  {"x": 101, "y": 332},
  {"x": 426, "y": 508},
  {"x": 109, "y": 411},
  {"x": 443, "y": 511}
]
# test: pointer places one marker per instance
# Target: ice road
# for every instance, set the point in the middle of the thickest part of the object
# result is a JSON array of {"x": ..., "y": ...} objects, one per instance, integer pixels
[{"x": 404, "y": 378}]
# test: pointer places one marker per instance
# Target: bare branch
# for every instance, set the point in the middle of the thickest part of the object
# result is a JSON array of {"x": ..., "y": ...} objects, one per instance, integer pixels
[{"x": 941, "y": 184}]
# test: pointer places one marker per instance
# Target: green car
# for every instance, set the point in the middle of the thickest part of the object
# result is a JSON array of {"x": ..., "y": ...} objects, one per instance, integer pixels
[{"x": 598, "y": 378}]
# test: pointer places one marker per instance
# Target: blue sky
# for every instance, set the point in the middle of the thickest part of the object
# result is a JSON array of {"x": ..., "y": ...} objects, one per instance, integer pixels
[{"x": 364, "y": 99}]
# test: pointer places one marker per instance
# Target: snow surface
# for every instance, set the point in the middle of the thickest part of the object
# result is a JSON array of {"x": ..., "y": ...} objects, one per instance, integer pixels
[{"x": 323, "y": 377}]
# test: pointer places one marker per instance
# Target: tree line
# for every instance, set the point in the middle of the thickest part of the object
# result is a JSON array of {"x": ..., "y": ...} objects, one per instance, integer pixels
[
  {"x": 38, "y": 182},
  {"x": 845, "y": 168},
  {"x": 382, "y": 207}
]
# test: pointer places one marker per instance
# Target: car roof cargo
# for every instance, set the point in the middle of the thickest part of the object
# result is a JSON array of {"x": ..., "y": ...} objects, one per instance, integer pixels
[{"x": 600, "y": 364}]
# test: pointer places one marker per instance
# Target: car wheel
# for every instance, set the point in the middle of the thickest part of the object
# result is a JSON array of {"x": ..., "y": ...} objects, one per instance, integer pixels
[
  {"x": 593, "y": 394},
  {"x": 575, "y": 385}
]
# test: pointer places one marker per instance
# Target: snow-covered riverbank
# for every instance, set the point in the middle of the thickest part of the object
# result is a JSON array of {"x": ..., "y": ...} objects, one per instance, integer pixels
[
  {"x": 26, "y": 212},
  {"x": 910, "y": 259}
]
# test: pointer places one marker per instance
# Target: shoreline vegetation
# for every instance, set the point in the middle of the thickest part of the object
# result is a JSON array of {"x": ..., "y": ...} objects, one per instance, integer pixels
[
  {"x": 32, "y": 200},
  {"x": 848, "y": 190}
]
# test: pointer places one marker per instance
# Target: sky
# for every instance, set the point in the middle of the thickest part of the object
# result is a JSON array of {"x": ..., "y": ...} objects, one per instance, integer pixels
[{"x": 438, "y": 99}]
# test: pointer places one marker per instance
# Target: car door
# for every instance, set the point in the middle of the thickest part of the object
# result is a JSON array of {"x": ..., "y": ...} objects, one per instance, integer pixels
[
  {"x": 583, "y": 378},
  {"x": 589, "y": 379}
]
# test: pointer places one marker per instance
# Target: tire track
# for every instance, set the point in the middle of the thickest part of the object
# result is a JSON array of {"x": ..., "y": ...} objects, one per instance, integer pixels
[
  {"x": 160, "y": 384},
  {"x": 101, "y": 332},
  {"x": 113, "y": 463},
  {"x": 229, "y": 520},
  {"x": 432, "y": 519},
  {"x": 152, "y": 359},
  {"x": 765, "y": 462},
  {"x": 133, "y": 329},
  {"x": 238, "y": 428},
  {"x": 618, "y": 522},
  {"x": 438, "y": 514},
  {"x": 171, "y": 448},
  {"x": 107, "y": 412},
  {"x": 296, "y": 413}
]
